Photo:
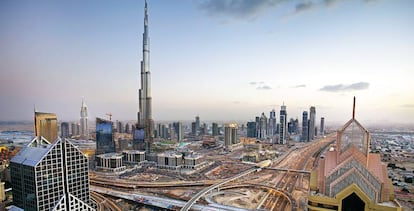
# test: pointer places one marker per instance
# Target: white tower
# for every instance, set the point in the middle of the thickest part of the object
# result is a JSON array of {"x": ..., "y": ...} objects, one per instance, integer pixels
[{"x": 84, "y": 130}]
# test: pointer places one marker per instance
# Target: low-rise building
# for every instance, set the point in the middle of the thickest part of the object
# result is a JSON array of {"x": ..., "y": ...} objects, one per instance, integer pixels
[
  {"x": 133, "y": 156},
  {"x": 111, "y": 162},
  {"x": 169, "y": 160},
  {"x": 193, "y": 161}
]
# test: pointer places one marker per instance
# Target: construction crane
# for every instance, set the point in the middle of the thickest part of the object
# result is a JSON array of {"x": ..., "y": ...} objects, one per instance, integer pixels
[{"x": 110, "y": 116}]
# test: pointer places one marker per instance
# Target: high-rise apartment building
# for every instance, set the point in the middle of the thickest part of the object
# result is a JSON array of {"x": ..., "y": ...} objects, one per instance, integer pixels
[
  {"x": 312, "y": 116},
  {"x": 74, "y": 128},
  {"x": 178, "y": 129},
  {"x": 45, "y": 124},
  {"x": 305, "y": 127},
  {"x": 119, "y": 127},
  {"x": 50, "y": 176},
  {"x": 322, "y": 127},
  {"x": 263, "y": 127},
  {"x": 283, "y": 125},
  {"x": 272, "y": 123},
  {"x": 84, "y": 129},
  {"x": 104, "y": 136},
  {"x": 197, "y": 125},
  {"x": 214, "y": 129},
  {"x": 64, "y": 130},
  {"x": 251, "y": 130},
  {"x": 230, "y": 134},
  {"x": 293, "y": 126},
  {"x": 145, "y": 121}
]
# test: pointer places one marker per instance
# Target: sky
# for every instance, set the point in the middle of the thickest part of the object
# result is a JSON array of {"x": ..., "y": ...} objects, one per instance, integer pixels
[{"x": 226, "y": 60}]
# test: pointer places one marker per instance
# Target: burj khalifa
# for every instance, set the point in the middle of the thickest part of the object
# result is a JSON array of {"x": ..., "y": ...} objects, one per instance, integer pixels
[{"x": 145, "y": 122}]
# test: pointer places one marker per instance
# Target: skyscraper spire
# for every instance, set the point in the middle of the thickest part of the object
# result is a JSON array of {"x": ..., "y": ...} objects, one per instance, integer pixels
[
  {"x": 145, "y": 105},
  {"x": 353, "y": 109}
]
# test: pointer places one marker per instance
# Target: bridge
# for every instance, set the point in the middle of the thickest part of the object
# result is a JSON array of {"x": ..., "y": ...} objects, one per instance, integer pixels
[
  {"x": 196, "y": 197},
  {"x": 288, "y": 170}
]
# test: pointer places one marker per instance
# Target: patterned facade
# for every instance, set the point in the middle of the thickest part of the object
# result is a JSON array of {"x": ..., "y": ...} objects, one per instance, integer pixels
[
  {"x": 349, "y": 177},
  {"x": 49, "y": 176}
]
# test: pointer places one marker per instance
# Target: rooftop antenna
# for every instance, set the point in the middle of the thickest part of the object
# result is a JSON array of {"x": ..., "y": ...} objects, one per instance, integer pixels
[{"x": 353, "y": 109}]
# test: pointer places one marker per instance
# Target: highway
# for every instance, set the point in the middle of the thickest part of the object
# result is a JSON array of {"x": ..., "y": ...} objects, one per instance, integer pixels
[
  {"x": 104, "y": 203},
  {"x": 289, "y": 171},
  {"x": 196, "y": 197},
  {"x": 298, "y": 160}
]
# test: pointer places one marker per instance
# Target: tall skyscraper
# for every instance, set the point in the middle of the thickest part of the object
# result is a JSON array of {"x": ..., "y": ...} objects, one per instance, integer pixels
[
  {"x": 145, "y": 121},
  {"x": 50, "y": 176},
  {"x": 305, "y": 127},
  {"x": 251, "y": 129},
  {"x": 312, "y": 116},
  {"x": 127, "y": 128},
  {"x": 263, "y": 127},
  {"x": 193, "y": 129},
  {"x": 178, "y": 128},
  {"x": 45, "y": 124},
  {"x": 119, "y": 127},
  {"x": 64, "y": 130},
  {"x": 104, "y": 136},
  {"x": 322, "y": 126},
  {"x": 283, "y": 125},
  {"x": 197, "y": 125},
  {"x": 84, "y": 129},
  {"x": 230, "y": 134},
  {"x": 215, "y": 129},
  {"x": 75, "y": 127},
  {"x": 272, "y": 123}
]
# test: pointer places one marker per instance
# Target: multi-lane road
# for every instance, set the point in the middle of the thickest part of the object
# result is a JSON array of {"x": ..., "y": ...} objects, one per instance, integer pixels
[{"x": 300, "y": 159}]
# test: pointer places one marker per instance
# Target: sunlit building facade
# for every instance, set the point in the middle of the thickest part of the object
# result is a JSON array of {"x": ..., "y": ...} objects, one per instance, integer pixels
[
  {"x": 45, "y": 124},
  {"x": 230, "y": 134},
  {"x": 349, "y": 177}
]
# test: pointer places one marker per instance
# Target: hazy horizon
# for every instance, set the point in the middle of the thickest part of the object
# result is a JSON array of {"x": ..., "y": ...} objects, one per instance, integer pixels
[{"x": 219, "y": 60}]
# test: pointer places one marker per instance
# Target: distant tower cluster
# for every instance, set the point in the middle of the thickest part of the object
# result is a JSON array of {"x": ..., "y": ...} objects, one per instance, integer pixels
[
  {"x": 145, "y": 121},
  {"x": 84, "y": 129}
]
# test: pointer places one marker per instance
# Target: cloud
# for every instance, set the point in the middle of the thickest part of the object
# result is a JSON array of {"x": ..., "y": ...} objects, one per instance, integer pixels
[
  {"x": 299, "y": 86},
  {"x": 238, "y": 9},
  {"x": 260, "y": 85},
  {"x": 236, "y": 102},
  {"x": 303, "y": 6},
  {"x": 345, "y": 88},
  {"x": 251, "y": 9},
  {"x": 264, "y": 87},
  {"x": 408, "y": 106},
  {"x": 256, "y": 83}
]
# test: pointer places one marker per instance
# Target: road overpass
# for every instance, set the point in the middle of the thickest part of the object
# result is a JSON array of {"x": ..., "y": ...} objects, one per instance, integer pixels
[
  {"x": 196, "y": 197},
  {"x": 288, "y": 170}
]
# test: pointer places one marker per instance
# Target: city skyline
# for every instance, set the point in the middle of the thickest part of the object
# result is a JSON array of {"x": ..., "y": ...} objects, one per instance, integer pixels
[{"x": 214, "y": 59}]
